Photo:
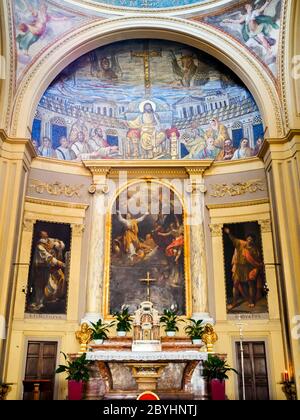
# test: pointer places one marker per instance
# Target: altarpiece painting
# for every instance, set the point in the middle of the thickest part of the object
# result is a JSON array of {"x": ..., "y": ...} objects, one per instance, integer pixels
[{"x": 148, "y": 241}]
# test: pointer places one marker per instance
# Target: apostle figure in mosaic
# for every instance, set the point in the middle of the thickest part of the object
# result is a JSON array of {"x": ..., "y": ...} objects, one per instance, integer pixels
[
  {"x": 46, "y": 149},
  {"x": 244, "y": 151},
  {"x": 63, "y": 152},
  {"x": 227, "y": 152},
  {"x": 210, "y": 151},
  {"x": 218, "y": 132}
]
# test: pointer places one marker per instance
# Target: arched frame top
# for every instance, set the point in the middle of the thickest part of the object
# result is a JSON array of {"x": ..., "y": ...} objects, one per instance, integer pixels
[{"x": 98, "y": 34}]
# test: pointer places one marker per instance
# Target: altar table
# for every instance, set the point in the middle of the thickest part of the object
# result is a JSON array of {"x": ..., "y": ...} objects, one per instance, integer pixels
[{"x": 146, "y": 367}]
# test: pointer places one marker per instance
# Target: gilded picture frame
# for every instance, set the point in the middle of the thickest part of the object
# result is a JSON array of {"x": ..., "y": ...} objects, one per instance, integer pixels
[{"x": 186, "y": 284}]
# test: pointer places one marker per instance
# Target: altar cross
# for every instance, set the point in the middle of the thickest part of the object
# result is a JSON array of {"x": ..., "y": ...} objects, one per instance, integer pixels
[
  {"x": 148, "y": 280},
  {"x": 146, "y": 55}
]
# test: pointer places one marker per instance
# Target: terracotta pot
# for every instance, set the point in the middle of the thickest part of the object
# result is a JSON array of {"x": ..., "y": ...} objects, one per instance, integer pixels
[
  {"x": 75, "y": 390},
  {"x": 217, "y": 389}
]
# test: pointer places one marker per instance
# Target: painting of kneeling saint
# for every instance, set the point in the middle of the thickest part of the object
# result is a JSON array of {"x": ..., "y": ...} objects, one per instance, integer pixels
[
  {"x": 147, "y": 244},
  {"x": 244, "y": 269},
  {"x": 49, "y": 267}
]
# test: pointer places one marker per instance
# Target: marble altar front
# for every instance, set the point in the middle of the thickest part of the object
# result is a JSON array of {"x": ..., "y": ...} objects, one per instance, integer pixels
[{"x": 169, "y": 373}]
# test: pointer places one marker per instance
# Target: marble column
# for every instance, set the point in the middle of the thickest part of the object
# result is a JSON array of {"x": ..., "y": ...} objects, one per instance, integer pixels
[
  {"x": 94, "y": 295},
  {"x": 197, "y": 246}
]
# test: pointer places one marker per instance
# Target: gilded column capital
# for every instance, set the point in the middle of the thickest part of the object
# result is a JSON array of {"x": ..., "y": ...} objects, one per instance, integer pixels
[
  {"x": 77, "y": 229},
  {"x": 216, "y": 229},
  {"x": 28, "y": 225},
  {"x": 265, "y": 225}
]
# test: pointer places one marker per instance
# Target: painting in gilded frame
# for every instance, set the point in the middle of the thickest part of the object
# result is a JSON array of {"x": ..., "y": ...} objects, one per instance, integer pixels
[
  {"x": 246, "y": 287},
  {"x": 49, "y": 269},
  {"x": 148, "y": 241}
]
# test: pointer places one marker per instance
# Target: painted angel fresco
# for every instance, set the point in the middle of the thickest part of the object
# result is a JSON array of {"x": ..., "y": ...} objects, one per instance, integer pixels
[
  {"x": 256, "y": 24},
  {"x": 38, "y": 24},
  {"x": 33, "y": 28}
]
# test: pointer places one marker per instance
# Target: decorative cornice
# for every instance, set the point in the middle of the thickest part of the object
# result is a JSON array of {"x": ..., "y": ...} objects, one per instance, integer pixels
[
  {"x": 270, "y": 141},
  {"x": 149, "y": 173},
  {"x": 216, "y": 229},
  {"x": 237, "y": 204},
  {"x": 237, "y": 188},
  {"x": 18, "y": 141},
  {"x": 97, "y": 170},
  {"x": 199, "y": 170},
  {"x": 147, "y": 169},
  {"x": 56, "y": 203}
]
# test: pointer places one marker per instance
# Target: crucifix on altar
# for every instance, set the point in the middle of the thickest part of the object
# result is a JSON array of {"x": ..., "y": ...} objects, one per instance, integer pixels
[
  {"x": 148, "y": 280},
  {"x": 146, "y": 55}
]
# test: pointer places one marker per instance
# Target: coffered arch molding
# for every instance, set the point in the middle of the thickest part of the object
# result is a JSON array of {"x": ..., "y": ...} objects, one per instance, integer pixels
[{"x": 98, "y": 34}]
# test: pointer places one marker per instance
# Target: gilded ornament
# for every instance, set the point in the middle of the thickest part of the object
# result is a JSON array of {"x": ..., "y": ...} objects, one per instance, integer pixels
[
  {"x": 209, "y": 337},
  {"x": 56, "y": 188},
  {"x": 84, "y": 336},
  {"x": 237, "y": 188}
]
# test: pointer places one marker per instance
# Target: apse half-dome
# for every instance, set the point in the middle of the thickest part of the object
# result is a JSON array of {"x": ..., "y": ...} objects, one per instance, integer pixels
[{"x": 147, "y": 99}]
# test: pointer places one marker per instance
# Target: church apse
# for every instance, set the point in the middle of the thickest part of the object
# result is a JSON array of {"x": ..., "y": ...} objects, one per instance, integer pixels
[{"x": 147, "y": 100}]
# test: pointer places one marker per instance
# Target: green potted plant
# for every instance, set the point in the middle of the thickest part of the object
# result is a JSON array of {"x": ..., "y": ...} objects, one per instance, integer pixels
[
  {"x": 195, "y": 330},
  {"x": 78, "y": 373},
  {"x": 100, "y": 330},
  {"x": 215, "y": 371},
  {"x": 123, "y": 319},
  {"x": 170, "y": 320}
]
